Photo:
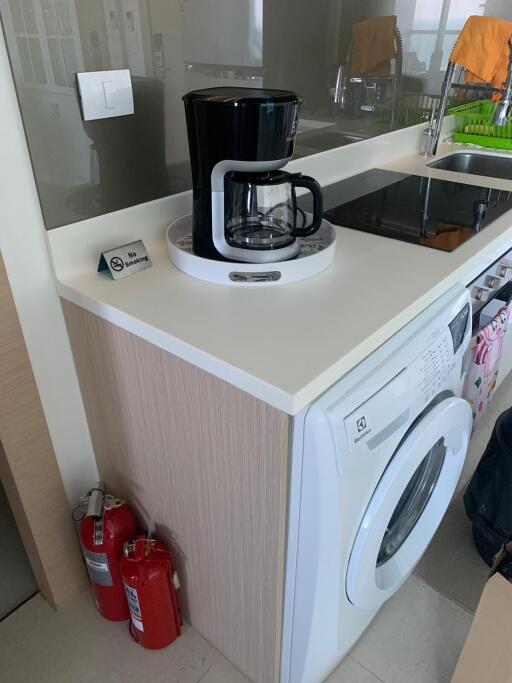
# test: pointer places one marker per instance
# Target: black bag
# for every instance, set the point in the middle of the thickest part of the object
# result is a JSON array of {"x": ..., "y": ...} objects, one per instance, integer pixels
[{"x": 488, "y": 498}]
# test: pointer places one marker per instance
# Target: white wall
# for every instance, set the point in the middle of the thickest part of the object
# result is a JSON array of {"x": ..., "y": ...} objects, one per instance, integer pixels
[{"x": 24, "y": 251}]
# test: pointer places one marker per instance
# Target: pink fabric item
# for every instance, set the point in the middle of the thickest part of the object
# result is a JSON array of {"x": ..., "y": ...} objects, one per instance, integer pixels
[{"x": 485, "y": 355}]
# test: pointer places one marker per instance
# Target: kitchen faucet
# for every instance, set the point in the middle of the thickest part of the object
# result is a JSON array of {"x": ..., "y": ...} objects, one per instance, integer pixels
[
  {"x": 500, "y": 116},
  {"x": 339, "y": 92}
]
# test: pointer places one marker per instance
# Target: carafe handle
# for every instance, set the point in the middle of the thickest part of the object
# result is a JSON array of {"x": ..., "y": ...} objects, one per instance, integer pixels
[{"x": 318, "y": 203}]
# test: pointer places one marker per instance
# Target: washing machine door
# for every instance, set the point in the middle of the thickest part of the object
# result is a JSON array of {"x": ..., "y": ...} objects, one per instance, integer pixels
[{"x": 408, "y": 503}]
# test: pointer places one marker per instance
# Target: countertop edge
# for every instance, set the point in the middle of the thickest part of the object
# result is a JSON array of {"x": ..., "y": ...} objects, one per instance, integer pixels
[{"x": 235, "y": 376}]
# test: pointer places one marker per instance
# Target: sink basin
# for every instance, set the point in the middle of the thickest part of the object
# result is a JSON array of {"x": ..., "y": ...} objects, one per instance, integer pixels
[
  {"x": 478, "y": 164},
  {"x": 330, "y": 139}
]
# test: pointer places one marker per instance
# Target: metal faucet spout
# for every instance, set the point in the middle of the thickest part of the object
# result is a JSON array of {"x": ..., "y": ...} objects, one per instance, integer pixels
[{"x": 501, "y": 112}]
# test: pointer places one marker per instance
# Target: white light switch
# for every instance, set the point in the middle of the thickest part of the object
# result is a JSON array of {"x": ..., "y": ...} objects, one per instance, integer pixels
[
  {"x": 105, "y": 94},
  {"x": 109, "y": 90}
]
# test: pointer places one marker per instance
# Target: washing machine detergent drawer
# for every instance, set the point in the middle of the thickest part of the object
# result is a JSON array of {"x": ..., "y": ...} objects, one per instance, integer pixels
[{"x": 377, "y": 419}]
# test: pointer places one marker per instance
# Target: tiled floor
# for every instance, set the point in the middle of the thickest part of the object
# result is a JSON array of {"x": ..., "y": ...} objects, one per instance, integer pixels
[
  {"x": 415, "y": 638},
  {"x": 452, "y": 565},
  {"x": 76, "y": 645}
]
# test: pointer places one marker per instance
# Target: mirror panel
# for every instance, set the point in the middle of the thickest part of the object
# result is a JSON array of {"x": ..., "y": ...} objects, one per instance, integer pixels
[{"x": 84, "y": 169}]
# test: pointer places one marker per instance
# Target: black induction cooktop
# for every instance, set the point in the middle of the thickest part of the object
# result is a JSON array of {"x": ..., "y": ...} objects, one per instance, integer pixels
[{"x": 440, "y": 214}]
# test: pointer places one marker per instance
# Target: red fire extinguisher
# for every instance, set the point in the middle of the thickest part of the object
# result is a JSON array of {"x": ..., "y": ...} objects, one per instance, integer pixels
[
  {"x": 151, "y": 582},
  {"x": 107, "y": 523}
]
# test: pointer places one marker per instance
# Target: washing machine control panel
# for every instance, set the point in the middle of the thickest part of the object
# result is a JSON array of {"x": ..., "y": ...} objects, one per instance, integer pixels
[{"x": 434, "y": 366}]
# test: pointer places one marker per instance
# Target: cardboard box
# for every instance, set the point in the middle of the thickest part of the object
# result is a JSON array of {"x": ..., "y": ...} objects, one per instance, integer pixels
[{"x": 487, "y": 653}]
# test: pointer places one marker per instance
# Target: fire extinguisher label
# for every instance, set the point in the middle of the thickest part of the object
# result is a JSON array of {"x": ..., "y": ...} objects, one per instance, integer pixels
[
  {"x": 134, "y": 605},
  {"x": 137, "y": 623},
  {"x": 133, "y": 600},
  {"x": 98, "y": 568}
]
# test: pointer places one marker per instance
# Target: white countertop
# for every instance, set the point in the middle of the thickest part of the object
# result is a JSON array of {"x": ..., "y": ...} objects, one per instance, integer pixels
[{"x": 285, "y": 344}]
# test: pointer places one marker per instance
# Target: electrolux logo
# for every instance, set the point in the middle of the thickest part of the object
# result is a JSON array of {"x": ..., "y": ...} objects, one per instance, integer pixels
[{"x": 362, "y": 429}]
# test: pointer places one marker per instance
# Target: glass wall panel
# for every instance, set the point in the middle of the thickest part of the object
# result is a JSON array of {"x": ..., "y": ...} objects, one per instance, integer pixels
[{"x": 84, "y": 169}]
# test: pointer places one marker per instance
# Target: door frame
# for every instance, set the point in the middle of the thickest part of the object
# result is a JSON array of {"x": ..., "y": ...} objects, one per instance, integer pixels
[{"x": 28, "y": 468}]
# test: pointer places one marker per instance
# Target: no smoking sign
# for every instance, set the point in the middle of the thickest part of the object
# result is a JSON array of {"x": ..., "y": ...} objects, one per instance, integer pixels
[{"x": 125, "y": 260}]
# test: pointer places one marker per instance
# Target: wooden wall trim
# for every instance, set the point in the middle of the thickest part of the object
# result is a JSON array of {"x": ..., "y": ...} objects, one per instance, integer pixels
[
  {"x": 205, "y": 462},
  {"x": 29, "y": 469}
]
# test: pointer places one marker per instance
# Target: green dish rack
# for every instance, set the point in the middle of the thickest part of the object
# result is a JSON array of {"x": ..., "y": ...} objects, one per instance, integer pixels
[{"x": 474, "y": 125}]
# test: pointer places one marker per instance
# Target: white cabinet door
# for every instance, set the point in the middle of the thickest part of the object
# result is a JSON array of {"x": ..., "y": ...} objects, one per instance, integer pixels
[
  {"x": 133, "y": 37},
  {"x": 59, "y": 147},
  {"x": 113, "y": 22},
  {"x": 124, "y": 32}
]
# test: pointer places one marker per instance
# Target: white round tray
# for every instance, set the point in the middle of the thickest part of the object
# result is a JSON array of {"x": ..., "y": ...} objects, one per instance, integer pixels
[{"x": 317, "y": 253}]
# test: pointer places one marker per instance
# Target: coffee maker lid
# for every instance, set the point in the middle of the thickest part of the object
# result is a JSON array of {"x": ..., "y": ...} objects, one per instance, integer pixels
[{"x": 242, "y": 96}]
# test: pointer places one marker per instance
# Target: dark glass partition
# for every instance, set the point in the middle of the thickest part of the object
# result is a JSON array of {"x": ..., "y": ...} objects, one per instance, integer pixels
[{"x": 362, "y": 68}]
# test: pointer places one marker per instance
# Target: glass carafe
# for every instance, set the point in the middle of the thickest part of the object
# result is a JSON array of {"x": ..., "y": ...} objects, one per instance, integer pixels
[{"x": 261, "y": 210}]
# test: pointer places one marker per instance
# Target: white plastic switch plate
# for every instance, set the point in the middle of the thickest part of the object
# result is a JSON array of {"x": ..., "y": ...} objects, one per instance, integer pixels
[{"x": 105, "y": 94}]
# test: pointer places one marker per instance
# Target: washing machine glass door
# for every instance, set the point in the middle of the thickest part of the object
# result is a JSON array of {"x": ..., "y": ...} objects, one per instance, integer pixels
[{"x": 408, "y": 503}]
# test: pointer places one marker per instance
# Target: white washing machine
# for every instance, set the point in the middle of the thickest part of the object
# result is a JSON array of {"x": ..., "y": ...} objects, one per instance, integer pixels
[{"x": 375, "y": 462}]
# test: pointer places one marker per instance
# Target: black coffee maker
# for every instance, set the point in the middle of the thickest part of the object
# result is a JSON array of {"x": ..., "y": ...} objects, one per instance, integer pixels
[{"x": 244, "y": 206}]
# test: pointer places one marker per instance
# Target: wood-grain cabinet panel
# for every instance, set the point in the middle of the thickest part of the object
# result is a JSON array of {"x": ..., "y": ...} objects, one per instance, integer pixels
[{"x": 206, "y": 465}]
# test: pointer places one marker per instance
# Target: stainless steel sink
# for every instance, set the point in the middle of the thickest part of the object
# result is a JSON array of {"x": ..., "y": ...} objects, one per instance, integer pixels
[{"x": 478, "y": 164}]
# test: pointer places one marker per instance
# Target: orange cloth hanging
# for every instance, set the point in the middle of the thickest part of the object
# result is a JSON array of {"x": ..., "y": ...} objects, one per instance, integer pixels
[
  {"x": 448, "y": 238},
  {"x": 482, "y": 48},
  {"x": 374, "y": 46}
]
